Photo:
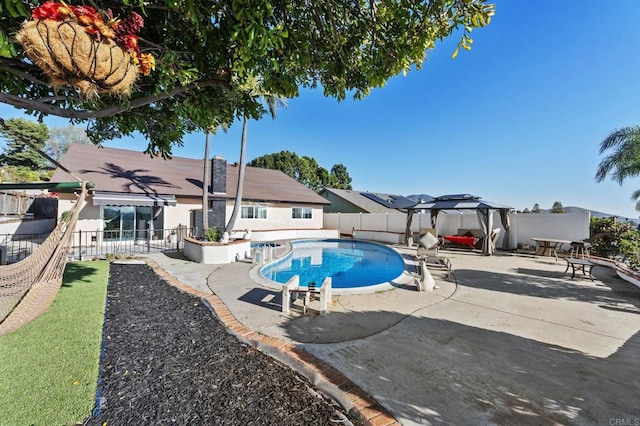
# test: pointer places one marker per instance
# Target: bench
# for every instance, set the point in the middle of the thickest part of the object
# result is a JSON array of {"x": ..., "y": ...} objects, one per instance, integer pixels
[{"x": 579, "y": 264}]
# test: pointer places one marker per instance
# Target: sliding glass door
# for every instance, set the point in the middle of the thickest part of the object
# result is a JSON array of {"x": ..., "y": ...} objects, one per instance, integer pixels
[{"x": 126, "y": 222}]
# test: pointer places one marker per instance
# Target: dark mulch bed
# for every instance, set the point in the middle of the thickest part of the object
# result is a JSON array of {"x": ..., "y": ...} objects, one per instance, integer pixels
[{"x": 168, "y": 360}]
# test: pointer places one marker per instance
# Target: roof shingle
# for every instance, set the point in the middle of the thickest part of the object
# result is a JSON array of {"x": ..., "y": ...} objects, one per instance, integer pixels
[{"x": 120, "y": 170}]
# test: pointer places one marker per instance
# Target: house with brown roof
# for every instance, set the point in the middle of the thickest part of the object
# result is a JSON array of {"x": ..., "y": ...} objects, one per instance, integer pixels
[{"x": 136, "y": 194}]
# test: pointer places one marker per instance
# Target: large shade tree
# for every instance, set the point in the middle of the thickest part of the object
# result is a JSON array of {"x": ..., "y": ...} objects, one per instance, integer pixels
[
  {"x": 623, "y": 159},
  {"x": 206, "y": 49},
  {"x": 16, "y": 152},
  {"x": 61, "y": 138},
  {"x": 341, "y": 177},
  {"x": 19, "y": 161},
  {"x": 305, "y": 170}
]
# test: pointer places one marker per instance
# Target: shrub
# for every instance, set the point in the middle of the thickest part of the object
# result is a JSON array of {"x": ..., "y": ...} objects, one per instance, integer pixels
[
  {"x": 212, "y": 234},
  {"x": 615, "y": 240}
]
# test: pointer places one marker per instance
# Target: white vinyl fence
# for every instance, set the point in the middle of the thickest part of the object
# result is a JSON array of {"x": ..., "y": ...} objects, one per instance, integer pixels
[{"x": 524, "y": 226}]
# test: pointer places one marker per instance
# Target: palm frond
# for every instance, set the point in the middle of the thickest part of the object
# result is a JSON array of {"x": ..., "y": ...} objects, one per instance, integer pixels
[
  {"x": 621, "y": 136},
  {"x": 624, "y": 161}
]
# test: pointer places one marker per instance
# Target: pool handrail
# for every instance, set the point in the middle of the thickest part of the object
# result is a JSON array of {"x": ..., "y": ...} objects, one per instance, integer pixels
[{"x": 293, "y": 287}]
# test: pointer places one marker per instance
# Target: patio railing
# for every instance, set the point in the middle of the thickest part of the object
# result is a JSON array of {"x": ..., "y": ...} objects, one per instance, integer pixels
[{"x": 89, "y": 245}]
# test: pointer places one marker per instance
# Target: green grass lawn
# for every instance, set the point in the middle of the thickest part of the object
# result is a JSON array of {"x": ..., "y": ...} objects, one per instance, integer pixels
[{"x": 49, "y": 368}]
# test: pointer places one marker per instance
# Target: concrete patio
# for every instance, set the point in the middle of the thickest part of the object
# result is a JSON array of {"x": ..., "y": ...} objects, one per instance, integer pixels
[{"x": 509, "y": 339}]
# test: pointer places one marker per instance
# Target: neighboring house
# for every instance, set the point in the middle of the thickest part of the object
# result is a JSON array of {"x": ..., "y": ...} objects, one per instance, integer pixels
[
  {"x": 351, "y": 201},
  {"x": 136, "y": 195}
]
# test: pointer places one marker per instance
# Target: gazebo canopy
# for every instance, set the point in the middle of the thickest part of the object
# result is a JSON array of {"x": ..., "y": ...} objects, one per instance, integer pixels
[
  {"x": 459, "y": 202},
  {"x": 469, "y": 202}
]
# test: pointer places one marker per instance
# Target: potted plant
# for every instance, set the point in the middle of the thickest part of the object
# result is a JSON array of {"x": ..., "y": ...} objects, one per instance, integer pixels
[{"x": 211, "y": 249}]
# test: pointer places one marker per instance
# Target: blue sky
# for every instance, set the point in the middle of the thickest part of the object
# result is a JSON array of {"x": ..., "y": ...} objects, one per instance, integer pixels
[{"x": 518, "y": 120}]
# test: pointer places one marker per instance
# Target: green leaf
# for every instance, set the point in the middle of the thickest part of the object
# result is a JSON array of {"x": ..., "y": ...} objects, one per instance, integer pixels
[
  {"x": 7, "y": 49},
  {"x": 11, "y": 8}
]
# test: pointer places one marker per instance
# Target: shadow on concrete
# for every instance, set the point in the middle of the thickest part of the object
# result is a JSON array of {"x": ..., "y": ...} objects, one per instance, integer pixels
[
  {"x": 269, "y": 299},
  {"x": 443, "y": 372},
  {"x": 339, "y": 326},
  {"x": 175, "y": 255},
  {"x": 554, "y": 284},
  {"x": 434, "y": 371}
]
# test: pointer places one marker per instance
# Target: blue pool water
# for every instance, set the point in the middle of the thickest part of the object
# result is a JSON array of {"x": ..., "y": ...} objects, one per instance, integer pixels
[{"x": 351, "y": 264}]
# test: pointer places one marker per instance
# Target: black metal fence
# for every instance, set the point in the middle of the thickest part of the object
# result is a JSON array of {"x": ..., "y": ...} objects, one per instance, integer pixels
[{"x": 89, "y": 245}]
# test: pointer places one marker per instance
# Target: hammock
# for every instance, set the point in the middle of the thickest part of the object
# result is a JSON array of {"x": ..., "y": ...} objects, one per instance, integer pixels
[{"x": 27, "y": 288}]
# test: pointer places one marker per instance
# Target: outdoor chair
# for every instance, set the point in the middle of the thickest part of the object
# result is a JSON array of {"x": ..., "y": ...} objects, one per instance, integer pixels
[{"x": 427, "y": 242}]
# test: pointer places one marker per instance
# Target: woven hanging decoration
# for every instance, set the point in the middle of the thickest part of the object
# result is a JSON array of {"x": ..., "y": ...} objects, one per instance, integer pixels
[{"x": 74, "y": 45}]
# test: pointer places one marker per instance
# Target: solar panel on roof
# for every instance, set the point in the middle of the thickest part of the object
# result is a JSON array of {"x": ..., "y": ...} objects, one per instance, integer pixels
[
  {"x": 454, "y": 197},
  {"x": 390, "y": 201}
]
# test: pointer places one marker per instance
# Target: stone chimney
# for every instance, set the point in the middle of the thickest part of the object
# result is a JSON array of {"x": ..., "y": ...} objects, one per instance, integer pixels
[
  {"x": 218, "y": 212},
  {"x": 218, "y": 176}
]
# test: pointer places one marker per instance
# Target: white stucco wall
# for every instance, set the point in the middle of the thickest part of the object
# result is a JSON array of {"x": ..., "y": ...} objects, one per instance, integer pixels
[
  {"x": 278, "y": 217},
  {"x": 216, "y": 254},
  {"x": 89, "y": 217},
  {"x": 180, "y": 214},
  {"x": 18, "y": 226}
]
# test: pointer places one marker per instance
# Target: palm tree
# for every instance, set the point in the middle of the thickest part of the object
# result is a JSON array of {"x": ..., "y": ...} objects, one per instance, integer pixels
[
  {"x": 624, "y": 161},
  {"x": 272, "y": 101}
]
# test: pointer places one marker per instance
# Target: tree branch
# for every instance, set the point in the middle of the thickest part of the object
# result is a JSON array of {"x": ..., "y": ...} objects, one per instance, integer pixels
[
  {"x": 45, "y": 108},
  {"x": 25, "y": 75}
]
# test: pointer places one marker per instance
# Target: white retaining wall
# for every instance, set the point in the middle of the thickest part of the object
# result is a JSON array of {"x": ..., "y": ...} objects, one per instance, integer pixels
[
  {"x": 37, "y": 226},
  {"x": 292, "y": 234},
  {"x": 216, "y": 254}
]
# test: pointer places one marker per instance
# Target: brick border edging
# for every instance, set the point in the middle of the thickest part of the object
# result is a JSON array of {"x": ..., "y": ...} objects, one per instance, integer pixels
[{"x": 368, "y": 410}]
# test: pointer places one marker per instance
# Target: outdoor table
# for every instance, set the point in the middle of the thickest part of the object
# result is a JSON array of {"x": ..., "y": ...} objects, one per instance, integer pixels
[
  {"x": 580, "y": 248},
  {"x": 548, "y": 246},
  {"x": 579, "y": 264}
]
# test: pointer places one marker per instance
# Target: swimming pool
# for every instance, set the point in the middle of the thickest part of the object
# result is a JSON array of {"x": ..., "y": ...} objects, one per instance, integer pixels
[{"x": 351, "y": 264}]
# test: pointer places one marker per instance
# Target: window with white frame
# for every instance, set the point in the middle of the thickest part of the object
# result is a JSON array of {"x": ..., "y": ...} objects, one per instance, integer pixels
[
  {"x": 253, "y": 212},
  {"x": 301, "y": 213}
]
